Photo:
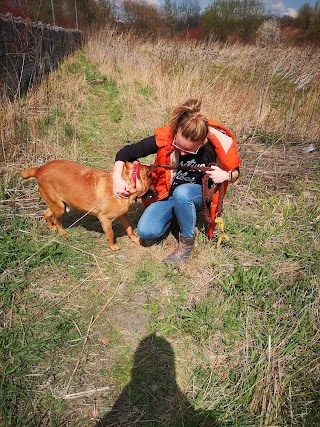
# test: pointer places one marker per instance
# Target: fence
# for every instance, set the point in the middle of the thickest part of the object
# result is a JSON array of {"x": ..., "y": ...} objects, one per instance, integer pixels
[{"x": 29, "y": 50}]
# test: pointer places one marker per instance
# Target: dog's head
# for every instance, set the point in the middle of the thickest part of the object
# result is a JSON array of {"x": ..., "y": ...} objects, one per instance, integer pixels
[{"x": 142, "y": 180}]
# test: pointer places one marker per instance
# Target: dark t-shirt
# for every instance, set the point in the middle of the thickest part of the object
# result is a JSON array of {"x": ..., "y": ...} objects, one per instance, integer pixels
[
  {"x": 205, "y": 156},
  {"x": 147, "y": 146}
]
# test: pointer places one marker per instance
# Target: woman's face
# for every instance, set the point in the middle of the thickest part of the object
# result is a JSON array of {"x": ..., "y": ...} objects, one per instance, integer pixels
[{"x": 186, "y": 146}]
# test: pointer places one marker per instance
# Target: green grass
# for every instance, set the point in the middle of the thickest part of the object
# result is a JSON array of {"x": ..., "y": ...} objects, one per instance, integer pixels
[{"x": 30, "y": 338}]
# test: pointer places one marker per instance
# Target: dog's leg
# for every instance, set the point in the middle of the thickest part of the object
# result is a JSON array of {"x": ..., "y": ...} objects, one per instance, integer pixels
[
  {"x": 48, "y": 215},
  {"x": 57, "y": 212},
  {"x": 106, "y": 224},
  {"x": 126, "y": 225},
  {"x": 54, "y": 212}
]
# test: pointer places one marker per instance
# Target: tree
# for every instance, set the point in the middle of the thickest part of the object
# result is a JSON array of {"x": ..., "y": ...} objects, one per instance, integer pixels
[
  {"x": 63, "y": 13},
  {"x": 240, "y": 18},
  {"x": 170, "y": 18},
  {"x": 314, "y": 27},
  {"x": 188, "y": 14},
  {"x": 304, "y": 16},
  {"x": 18, "y": 8},
  {"x": 308, "y": 22},
  {"x": 251, "y": 15},
  {"x": 269, "y": 33},
  {"x": 145, "y": 18},
  {"x": 220, "y": 18}
]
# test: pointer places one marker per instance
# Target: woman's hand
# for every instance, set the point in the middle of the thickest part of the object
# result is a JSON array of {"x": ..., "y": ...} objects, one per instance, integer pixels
[
  {"x": 120, "y": 187},
  {"x": 218, "y": 175}
]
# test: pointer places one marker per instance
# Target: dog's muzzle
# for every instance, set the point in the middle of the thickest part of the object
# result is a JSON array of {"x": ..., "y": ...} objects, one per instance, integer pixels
[{"x": 150, "y": 194}]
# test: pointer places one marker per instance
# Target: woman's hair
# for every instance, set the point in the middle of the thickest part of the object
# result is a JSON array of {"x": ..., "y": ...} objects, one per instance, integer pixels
[{"x": 189, "y": 120}]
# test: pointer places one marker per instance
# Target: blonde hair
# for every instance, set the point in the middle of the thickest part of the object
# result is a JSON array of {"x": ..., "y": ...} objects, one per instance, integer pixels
[{"x": 189, "y": 120}]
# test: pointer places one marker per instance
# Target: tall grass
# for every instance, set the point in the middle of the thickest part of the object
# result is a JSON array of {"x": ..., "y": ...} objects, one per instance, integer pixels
[
  {"x": 252, "y": 89},
  {"x": 237, "y": 327},
  {"x": 35, "y": 125}
]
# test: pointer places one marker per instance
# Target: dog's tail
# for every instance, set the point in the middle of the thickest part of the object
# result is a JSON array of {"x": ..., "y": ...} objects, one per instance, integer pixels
[{"x": 29, "y": 173}]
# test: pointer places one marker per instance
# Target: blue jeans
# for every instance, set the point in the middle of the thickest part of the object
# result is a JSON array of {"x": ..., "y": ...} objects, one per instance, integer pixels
[{"x": 183, "y": 206}]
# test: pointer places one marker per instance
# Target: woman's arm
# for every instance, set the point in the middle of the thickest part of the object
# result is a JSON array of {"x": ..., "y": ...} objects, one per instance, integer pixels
[{"x": 130, "y": 153}]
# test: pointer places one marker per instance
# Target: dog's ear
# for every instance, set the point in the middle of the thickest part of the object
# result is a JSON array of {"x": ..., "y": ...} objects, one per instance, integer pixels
[{"x": 146, "y": 170}]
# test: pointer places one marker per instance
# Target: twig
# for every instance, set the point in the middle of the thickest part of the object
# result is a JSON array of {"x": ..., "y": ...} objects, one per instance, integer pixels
[
  {"x": 80, "y": 355},
  {"x": 85, "y": 252},
  {"x": 92, "y": 321},
  {"x": 83, "y": 393},
  {"x": 74, "y": 289},
  {"x": 106, "y": 305},
  {"x": 10, "y": 314},
  {"x": 39, "y": 250}
]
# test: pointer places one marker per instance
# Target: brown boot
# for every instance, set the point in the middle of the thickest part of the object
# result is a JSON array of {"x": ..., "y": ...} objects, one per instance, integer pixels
[{"x": 182, "y": 252}]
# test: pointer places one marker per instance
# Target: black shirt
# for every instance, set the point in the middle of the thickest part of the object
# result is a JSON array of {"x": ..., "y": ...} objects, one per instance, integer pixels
[{"x": 205, "y": 156}]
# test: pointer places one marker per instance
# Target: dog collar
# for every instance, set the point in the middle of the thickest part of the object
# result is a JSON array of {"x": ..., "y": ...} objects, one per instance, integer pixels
[{"x": 134, "y": 174}]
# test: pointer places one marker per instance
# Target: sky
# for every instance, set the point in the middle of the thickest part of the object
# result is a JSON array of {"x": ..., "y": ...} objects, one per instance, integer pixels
[{"x": 286, "y": 7}]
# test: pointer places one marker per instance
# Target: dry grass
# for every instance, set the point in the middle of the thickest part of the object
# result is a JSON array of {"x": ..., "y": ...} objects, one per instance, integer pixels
[
  {"x": 32, "y": 126},
  {"x": 249, "y": 88}
]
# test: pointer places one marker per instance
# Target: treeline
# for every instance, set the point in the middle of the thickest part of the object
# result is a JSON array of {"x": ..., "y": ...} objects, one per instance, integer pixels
[
  {"x": 224, "y": 20},
  {"x": 75, "y": 14},
  {"x": 306, "y": 26}
]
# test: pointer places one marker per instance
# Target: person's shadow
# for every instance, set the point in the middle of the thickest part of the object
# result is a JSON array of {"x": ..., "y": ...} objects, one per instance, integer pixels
[{"x": 153, "y": 398}]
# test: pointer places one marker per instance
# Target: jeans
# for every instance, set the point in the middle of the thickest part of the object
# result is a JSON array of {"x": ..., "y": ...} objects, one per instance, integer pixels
[{"x": 182, "y": 205}]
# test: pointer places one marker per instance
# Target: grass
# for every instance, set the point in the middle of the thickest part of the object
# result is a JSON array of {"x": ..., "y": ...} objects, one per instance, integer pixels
[
  {"x": 29, "y": 337},
  {"x": 230, "y": 339}
]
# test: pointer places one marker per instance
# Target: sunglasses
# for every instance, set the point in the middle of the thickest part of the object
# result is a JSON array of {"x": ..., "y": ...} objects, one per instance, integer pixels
[{"x": 184, "y": 150}]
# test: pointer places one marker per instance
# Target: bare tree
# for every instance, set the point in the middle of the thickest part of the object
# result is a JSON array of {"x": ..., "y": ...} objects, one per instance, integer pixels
[{"x": 145, "y": 18}]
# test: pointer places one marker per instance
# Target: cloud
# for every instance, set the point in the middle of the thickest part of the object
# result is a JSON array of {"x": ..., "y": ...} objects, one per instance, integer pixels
[
  {"x": 275, "y": 7},
  {"x": 279, "y": 8},
  {"x": 155, "y": 3},
  {"x": 291, "y": 12}
]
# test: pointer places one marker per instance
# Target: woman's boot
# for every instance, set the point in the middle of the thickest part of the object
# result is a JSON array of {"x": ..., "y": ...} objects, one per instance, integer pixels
[{"x": 182, "y": 252}]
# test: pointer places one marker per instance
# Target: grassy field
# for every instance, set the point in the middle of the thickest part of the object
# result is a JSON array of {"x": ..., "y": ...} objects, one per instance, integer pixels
[{"x": 230, "y": 339}]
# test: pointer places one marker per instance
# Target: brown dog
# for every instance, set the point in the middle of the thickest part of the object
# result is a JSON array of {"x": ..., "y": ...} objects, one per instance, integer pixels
[{"x": 64, "y": 184}]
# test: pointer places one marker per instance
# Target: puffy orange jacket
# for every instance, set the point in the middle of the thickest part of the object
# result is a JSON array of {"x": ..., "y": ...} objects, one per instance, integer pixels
[{"x": 227, "y": 154}]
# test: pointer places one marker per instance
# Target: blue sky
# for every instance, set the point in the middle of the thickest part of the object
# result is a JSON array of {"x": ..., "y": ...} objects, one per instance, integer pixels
[{"x": 286, "y": 7}]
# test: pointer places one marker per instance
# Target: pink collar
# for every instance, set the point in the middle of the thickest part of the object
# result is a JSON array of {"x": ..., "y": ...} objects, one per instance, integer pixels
[{"x": 134, "y": 174}]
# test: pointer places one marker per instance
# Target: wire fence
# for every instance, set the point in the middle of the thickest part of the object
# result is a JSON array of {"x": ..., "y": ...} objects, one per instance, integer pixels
[{"x": 29, "y": 50}]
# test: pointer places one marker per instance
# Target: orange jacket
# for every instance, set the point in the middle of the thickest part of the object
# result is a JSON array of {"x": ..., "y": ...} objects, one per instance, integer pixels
[{"x": 226, "y": 150}]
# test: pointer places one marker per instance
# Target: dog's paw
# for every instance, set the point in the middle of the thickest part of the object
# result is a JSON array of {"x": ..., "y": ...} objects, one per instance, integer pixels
[
  {"x": 114, "y": 247},
  {"x": 62, "y": 233},
  {"x": 136, "y": 240}
]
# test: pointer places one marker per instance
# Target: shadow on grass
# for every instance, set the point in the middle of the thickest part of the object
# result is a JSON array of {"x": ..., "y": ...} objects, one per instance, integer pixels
[
  {"x": 153, "y": 398},
  {"x": 91, "y": 223}
]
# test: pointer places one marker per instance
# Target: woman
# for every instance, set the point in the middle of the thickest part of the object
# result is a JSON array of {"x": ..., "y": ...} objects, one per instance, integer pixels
[{"x": 189, "y": 140}]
